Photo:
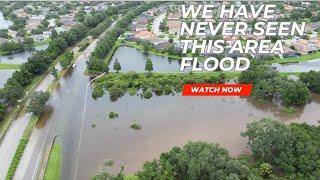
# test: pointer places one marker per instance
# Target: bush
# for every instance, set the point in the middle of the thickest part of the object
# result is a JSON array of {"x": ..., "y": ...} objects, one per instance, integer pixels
[
  {"x": 147, "y": 94},
  {"x": 312, "y": 80},
  {"x": 135, "y": 126},
  {"x": 97, "y": 92},
  {"x": 113, "y": 115}
]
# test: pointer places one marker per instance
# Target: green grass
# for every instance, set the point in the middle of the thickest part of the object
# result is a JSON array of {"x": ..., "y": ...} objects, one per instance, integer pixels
[
  {"x": 53, "y": 170},
  {"x": 9, "y": 66},
  {"x": 40, "y": 43},
  {"x": 302, "y": 58},
  {"x": 21, "y": 147}
]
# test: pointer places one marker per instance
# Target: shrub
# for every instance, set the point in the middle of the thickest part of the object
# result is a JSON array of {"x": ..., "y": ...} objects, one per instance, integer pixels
[
  {"x": 97, "y": 92},
  {"x": 135, "y": 126},
  {"x": 147, "y": 94},
  {"x": 113, "y": 115}
]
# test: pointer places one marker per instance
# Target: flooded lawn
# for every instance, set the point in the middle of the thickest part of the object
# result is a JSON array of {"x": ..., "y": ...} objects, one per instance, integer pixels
[
  {"x": 4, "y": 75},
  {"x": 299, "y": 67},
  {"x": 169, "y": 121},
  {"x": 19, "y": 58}
]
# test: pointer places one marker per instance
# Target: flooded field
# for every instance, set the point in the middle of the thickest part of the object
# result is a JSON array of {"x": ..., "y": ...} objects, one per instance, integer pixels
[
  {"x": 166, "y": 121},
  {"x": 19, "y": 58},
  {"x": 4, "y": 75},
  {"x": 169, "y": 121}
]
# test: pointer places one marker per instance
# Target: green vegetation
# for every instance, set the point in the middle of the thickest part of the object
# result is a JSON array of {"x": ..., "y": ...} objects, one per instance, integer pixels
[
  {"x": 97, "y": 92},
  {"x": 269, "y": 86},
  {"x": 93, "y": 125},
  {"x": 135, "y": 126},
  {"x": 301, "y": 58},
  {"x": 53, "y": 170},
  {"x": 37, "y": 102},
  {"x": 66, "y": 59},
  {"x": 149, "y": 65},
  {"x": 279, "y": 151},
  {"x": 9, "y": 66},
  {"x": 113, "y": 115},
  {"x": 116, "y": 65},
  {"x": 21, "y": 147},
  {"x": 312, "y": 80},
  {"x": 117, "y": 84},
  {"x": 96, "y": 63}
]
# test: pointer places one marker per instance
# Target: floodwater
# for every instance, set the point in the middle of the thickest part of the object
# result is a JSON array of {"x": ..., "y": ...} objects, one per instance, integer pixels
[
  {"x": 169, "y": 121},
  {"x": 4, "y": 24},
  {"x": 166, "y": 121},
  {"x": 299, "y": 67},
  {"x": 21, "y": 57},
  {"x": 4, "y": 75},
  {"x": 132, "y": 59}
]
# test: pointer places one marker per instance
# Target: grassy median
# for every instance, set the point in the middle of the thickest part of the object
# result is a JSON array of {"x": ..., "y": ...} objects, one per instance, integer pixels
[
  {"x": 22, "y": 145},
  {"x": 53, "y": 170}
]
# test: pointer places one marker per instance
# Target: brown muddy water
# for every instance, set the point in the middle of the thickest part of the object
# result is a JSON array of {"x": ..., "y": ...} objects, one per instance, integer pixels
[{"x": 169, "y": 121}]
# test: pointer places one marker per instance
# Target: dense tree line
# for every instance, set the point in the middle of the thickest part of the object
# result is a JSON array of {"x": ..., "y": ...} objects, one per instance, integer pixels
[
  {"x": 268, "y": 86},
  {"x": 278, "y": 151},
  {"x": 160, "y": 84},
  {"x": 40, "y": 61},
  {"x": 96, "y": 63}
]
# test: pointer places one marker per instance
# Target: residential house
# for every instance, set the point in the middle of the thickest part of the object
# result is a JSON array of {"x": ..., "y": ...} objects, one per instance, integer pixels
[{"x": 174, "y": 27}]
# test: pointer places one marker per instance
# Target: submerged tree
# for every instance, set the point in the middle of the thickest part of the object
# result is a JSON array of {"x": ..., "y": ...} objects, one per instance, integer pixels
[
  {"x": 116, "y": 65},
  {"x": 149, "y": 65}
]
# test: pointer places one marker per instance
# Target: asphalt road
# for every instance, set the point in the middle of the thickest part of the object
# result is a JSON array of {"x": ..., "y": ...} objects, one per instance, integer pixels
[{"x": 63, "y": 119}]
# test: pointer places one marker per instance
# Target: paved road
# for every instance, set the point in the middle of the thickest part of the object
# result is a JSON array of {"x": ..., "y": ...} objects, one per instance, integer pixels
[
  {"x": 156, "y": 24},
  {"x": 65, "y": 107},
  {"x": 11, "y": 140}
]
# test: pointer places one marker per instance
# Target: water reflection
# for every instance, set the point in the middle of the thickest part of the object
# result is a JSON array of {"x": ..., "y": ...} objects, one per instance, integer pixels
[
  {"x": 4, "y": 75},
  {"x": 169, "y": 121},
  {"x": 132, "y": 59},
  {"x": 4, "y": 24},
  {"x": 19, "y": 58}
]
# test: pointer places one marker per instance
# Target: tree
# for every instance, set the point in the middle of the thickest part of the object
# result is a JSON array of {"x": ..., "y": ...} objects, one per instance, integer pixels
[
  {"x": 11, "y": 93},
  {"x": 116, "y": 65},
  {"x": 2, "y": 111},
  {"x": 195, "y": 160},
  {"x": 54, "y": 72},
  {"x": 312, "y": 80},
  {"x": 54, "y": 34},
  {"x": 66, "y": 59},
  {"x": 37, "y": 102},
  {"x": 149, "y": 65}
]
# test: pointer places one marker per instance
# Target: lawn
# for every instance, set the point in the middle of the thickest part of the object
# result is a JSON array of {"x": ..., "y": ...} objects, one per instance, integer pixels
[
  {"x": 9, "y": 66},
  {"x": 53, "y": 170},
  {"x": 302, "y": 58}
]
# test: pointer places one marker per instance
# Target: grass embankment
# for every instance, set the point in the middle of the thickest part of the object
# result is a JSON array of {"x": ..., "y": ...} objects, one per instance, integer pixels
[
  {"x": 53, "y": 170},
  {"x": 22, "y": 145},
  {"x": 9, "y": 66}
]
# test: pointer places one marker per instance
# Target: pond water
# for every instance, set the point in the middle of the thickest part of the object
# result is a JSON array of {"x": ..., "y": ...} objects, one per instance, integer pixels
[
  {"x": 4, "y": 75},
  {"x": 132, "y": 59},
  {"x": 19, "y": 58},
  {"x": 4, "y": 24},
  {"x": 169, "y": 121},
  {"x": 299, "y": 67}
]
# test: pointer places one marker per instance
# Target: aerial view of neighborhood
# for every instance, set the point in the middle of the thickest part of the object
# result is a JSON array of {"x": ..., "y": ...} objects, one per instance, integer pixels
[{"x": 93, "y": 90}]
